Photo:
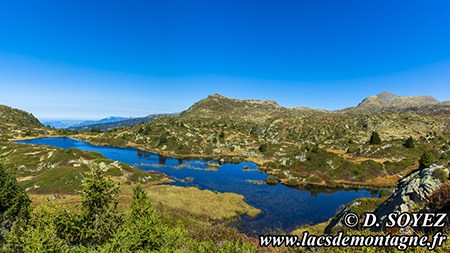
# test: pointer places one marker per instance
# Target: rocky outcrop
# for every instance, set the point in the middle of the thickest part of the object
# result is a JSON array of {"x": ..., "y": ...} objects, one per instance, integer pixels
[
  {"x": 338, "y": 221},
  {"x": 413, "y": 189}
]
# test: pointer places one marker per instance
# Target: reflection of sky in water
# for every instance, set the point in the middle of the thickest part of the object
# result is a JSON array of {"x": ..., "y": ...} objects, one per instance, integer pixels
[{"x": 282, "y": 207}]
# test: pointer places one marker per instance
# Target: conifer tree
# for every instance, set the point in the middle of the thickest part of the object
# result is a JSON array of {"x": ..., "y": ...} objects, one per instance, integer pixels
[
  {"x": 99, "y": 217},
  {"x": 143, "y": 230},
  {"x": 14, "y": 203},
  {"x": 409, "y": 143},
  {"x": 375, "y": 138}
]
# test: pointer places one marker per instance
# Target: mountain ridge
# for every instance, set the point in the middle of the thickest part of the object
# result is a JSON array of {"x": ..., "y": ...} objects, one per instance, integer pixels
[
  {"x": 74, "y": 123},
  {"x": 121, "y": 123}
]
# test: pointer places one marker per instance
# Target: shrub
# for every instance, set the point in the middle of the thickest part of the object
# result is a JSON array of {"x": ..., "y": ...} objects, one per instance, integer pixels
[
  {"x": 444, "y": 156},
  {"x": 263, "y": 148},
  {"x": 271, "y": 164},
  {"x": 314, "y": 180},
  {"x": 440, "y": 199},
  {"x": 293, "y": 182},
  {"x": 281, "y": 175},
  {"x": 383, "y": 193},
  {"x": 426, "y": 160},
  {"x": 295, "y": 174},
  {"x": 352, "y": 149},
  {"x": 162, "y": 139},
  {"x": 316, "y": 149},
  {"x": 115, "y": 172},
  {"x": 441, "y": 175},
  {"x": 271, "y": 181}
]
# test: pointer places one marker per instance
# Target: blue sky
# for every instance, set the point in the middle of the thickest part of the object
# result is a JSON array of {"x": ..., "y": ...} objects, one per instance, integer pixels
[{"x": 93, "y": 59}]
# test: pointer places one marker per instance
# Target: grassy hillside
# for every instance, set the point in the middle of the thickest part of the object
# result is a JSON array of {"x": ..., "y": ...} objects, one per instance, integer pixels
[{"x": 17, "y": 123}]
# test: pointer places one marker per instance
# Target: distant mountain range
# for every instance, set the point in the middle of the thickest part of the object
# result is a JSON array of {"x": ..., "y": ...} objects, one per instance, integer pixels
[
  {"x": 75, "y": 123},
  {"x": 120, "y": 123}
]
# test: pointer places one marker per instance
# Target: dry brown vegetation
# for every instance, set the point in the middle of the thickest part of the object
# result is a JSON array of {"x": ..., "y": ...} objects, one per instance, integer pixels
[{"x": 199, "y": 204}]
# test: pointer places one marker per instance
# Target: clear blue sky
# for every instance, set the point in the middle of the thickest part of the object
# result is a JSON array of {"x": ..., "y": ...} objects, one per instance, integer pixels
[{"x": 92, "y": 59}]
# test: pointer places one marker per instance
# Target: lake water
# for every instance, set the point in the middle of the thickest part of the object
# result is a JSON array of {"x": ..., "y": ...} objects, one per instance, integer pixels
[{"x": 282, "y": 207}]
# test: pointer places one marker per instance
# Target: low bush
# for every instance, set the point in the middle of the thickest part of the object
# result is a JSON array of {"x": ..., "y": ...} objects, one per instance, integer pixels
[
  {"x": 314, "y": 180},
  {"x": 293, "y": 182},
  {"x": 441, "y": 175},
  {"x": 426, "y": 160},
  {"x": 440, "y": 199},
  {"x": 114, "y": 172},
  {"x": 281, "y": 175},
  {"x": 271, "y": 181}
]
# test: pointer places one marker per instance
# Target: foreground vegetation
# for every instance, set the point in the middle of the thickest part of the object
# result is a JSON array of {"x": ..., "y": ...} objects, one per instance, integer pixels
[{"x": 97, "y": 225}]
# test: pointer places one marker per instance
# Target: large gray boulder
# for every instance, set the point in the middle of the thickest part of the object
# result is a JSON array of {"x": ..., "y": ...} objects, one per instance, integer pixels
[
  {"x": 413, "y": 189},
  {"x": 338, "y": 221}
]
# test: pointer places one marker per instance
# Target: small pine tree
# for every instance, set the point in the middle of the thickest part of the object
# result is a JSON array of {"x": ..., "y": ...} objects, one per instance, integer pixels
[
  {"x": 409, "y": 143},
  {"x": 426, "y": 160},
  {"x": 162, "y": 139},
  {"x": 375, "y": 138},
  {"x": 143, "y": 230},
  {"x": 444, "y": 156},
  {"x": 316, "y": 149},
  {"x": 263, "y": 148},
  {"x": 14, "y": 203},
  {"x": 99, "y": 217}
]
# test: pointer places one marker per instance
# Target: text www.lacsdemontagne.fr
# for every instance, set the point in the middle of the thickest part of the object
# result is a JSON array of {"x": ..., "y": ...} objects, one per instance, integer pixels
[{"x": 400, "y": 242}]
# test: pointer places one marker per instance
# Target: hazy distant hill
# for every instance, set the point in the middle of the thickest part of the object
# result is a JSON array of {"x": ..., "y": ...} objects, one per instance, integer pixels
[
  {"x": 121, "y": 123},
  {"x": 74, "y": 123}
]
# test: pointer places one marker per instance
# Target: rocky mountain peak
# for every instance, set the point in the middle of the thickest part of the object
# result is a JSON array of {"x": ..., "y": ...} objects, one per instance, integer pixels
[
  {"x": 389, "y": 99},
  {"x": 387, "y": 96}
]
